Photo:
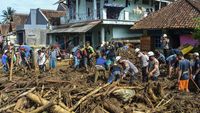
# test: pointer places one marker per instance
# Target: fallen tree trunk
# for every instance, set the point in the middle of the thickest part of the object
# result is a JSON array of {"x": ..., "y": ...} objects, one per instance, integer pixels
[
  {"x": 42, "y": 108},
  {"x": 112, "y": 108},
  {"x": 41, "y": 101},
  {"x": 88, "y": 95}
]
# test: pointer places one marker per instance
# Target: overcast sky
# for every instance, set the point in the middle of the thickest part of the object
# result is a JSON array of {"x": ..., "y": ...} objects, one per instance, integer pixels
[{"x": 24, "y": 6}]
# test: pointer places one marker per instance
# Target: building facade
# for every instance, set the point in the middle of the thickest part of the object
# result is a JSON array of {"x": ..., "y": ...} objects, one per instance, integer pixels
[
  {"x": 38, "y": 24},
  {"x": 102, "y": 20}
]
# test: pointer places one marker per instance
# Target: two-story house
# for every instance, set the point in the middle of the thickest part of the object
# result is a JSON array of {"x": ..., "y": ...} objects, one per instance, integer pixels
[
  {"x": 98, "y": 21},
  {"x": 38, "y": 23}
]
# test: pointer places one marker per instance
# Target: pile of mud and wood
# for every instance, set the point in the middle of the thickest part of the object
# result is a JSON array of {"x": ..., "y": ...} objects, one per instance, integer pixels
[{"x": 67, "y": 91}]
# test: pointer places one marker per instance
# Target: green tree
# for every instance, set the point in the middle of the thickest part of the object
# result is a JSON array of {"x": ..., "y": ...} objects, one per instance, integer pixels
[
  {"x": 196, "y": 33},
  {"x": 8, "y": 15}
]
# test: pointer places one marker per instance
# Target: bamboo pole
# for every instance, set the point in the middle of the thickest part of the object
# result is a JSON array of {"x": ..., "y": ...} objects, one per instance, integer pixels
[{"x": 11, "y": 66}]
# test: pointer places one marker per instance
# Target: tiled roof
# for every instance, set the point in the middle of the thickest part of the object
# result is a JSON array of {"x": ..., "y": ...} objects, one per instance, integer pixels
[
  {"x": 53, "y": 16},
  {"x": 18, "y": 19},
  {"x": 179, "y": 14},
  {"x": 53, "y": 13}
]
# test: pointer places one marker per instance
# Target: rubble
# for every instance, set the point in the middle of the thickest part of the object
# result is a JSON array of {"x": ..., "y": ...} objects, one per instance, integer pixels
[{"x": 67, "y": 91}]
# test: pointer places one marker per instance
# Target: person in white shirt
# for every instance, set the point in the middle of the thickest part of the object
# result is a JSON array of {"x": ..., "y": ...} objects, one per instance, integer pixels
[
  {"x": 144, "y": 63},
  {"x": 42, "y": 60}
]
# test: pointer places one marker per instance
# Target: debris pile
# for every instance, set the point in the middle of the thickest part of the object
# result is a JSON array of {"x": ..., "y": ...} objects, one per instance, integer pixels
[{"x": 67, "y": 91}]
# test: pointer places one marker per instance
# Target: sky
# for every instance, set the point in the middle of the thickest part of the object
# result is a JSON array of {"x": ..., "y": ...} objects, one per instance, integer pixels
[{"x": 24, "y": 6}]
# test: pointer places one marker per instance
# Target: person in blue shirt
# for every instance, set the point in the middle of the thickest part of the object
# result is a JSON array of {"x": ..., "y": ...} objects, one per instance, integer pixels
[
  {"x": 4, "y": 61},
  {"x": 196, "y": 69},
  {"x": 184, "y": 73},
  {"x": 53, "y": 58},
  {"x": 115, "y": 72},
  {"x": 100, "y": 67},
  {"x": 160, "y": 57},
  {"x": 172, "y": 62}
]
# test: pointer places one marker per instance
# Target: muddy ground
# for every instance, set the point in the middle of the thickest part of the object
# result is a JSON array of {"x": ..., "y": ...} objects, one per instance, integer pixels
[{"x": 66, "y": 90}]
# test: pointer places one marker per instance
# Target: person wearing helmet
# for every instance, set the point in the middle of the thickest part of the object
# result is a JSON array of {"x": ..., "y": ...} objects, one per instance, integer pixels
[
  {"x": 165, "y": 44},
  {"x": 196, "y": 68},
  {"x": 184, "y": 73},
  {"x": 153, "y": 67},
  {"x": 129, "y": 68},
  {"x": 4, "y": 61},
  {"x": 144, "y": 64}
]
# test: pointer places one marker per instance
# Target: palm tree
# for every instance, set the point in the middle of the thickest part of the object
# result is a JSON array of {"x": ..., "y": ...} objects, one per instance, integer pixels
[{"x": 8, "y": 15}]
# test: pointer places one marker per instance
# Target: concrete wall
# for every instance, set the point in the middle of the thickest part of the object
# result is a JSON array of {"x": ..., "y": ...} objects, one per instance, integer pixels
[
  {"x": 35, "y": 36},
  {"x": 120, "y": 32}
]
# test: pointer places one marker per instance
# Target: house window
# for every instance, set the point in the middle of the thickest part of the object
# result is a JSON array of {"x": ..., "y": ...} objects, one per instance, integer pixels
[
  {"x": 157, "y": 42},
  {"x": 146, "y": 2},
  {"x": 106, "y": 1}
]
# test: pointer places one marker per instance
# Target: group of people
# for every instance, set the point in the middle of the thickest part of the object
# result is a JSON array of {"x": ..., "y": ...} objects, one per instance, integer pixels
[
  {"x": 23, "y": 58},
  {"x": 106, "y": 58}
]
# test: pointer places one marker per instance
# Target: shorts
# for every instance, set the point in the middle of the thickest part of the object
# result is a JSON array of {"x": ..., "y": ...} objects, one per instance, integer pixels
[{"x": 183, "y": 85}]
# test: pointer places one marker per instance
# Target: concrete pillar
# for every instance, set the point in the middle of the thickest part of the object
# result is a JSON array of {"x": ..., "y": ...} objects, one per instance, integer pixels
[
  {"x": 160, "y": 4},
  {"x": 95, "y": 9},
  {"x": 104, "y": 13},
  {"x": 33, "y": 16},
  {"x": 102, "y": 34},
  {"x": 101, "y": 8},
  {"x": 82, "y": 38},
  {"x": 77, "y": 9}
]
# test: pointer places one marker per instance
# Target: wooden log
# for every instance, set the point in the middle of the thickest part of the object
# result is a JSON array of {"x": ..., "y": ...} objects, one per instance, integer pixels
[
  {"x": 42, "y": 108},
  {"x": 11, "y": 66},
  {"x": 112, "y": 108},
  {"x": 41, "y": 101},
  {"x": 88, "y": 95},
  {"x": 6, "y": 107}
]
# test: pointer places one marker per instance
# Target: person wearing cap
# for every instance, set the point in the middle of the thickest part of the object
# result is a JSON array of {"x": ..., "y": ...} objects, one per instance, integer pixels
[
  {"x": 144, "y": 63},
  {"x": 115, "y": 72},
  {"x": 196, "y": 69},
  {"x": 184, "y": 73},
  {"x": 153, "y": 67},
  {"x": 4, "y": 61},
  {"x": 129, "y": 68},
  {"x": 165, "y": 44}
]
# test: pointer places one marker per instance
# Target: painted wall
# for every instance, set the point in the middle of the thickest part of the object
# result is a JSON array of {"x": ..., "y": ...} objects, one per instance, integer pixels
[
  {"x": 120, "y": 32},
  {"x": 187, "y": 39}
]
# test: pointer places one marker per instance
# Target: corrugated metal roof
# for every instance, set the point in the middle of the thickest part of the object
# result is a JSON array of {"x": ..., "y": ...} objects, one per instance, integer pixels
[{"x": 77, "y": 27}]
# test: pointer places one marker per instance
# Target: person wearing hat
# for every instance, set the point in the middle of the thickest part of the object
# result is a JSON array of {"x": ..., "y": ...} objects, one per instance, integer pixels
[
  {"x": 184, "y": 73},
  {"x": 115, "y": 72},
  {"x": 144, "y": 63},
  {"x": 196, "y": 69},
  {"x": 153, "y": 67},
  {"x": 4, "y": 61},
  {"x": 165, "y": 44},
  {"x": 129, "y": 68}
]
